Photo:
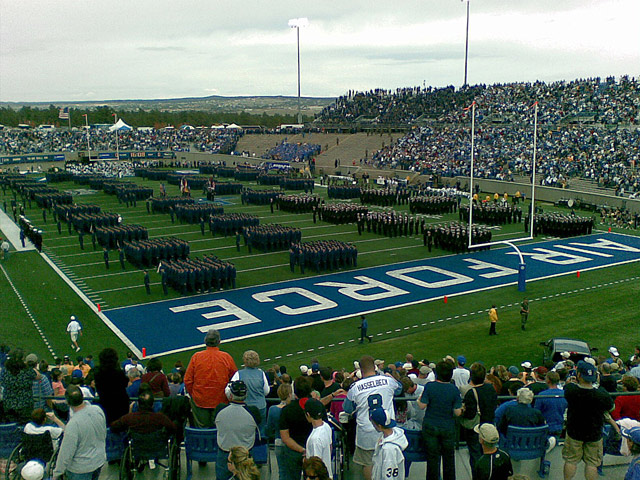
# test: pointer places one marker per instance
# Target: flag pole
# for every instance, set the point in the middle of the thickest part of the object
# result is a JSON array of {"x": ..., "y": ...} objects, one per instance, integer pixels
[
  {"x": 86, "y": 122},
  {"x": 115, "y": 121}
]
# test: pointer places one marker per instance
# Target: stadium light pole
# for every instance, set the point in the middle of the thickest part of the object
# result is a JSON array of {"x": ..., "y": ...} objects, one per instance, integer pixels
[
  {"x": 115, "y": 121},
  {"x": 466, "y": 46},
  {"x": 86, "y": 122},
  {"x": 297, "y": 23},
  {"x": 473, "y": 137}
]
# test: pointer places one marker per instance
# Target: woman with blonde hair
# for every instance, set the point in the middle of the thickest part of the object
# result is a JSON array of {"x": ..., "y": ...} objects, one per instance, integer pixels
[
  {"x": 241, "y": 465},
  {"x": 256, "y": 382}
]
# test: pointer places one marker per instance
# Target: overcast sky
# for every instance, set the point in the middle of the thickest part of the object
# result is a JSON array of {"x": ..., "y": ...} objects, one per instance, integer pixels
[{"x": 53, "y": 50}]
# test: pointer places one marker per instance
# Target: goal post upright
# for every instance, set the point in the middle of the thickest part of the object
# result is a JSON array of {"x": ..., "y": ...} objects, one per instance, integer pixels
[{"x": 522, "y": 267}]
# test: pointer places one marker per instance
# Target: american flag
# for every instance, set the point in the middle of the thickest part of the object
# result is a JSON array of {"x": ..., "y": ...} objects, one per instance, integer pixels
[{"x": 64, "y": 113}]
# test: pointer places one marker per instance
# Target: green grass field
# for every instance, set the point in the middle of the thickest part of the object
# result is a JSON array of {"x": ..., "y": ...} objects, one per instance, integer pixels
[{"x": 600, "y": 307}]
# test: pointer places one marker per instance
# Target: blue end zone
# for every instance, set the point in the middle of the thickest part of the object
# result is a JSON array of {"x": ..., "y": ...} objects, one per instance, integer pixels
[{"x": 174, "y": 325}]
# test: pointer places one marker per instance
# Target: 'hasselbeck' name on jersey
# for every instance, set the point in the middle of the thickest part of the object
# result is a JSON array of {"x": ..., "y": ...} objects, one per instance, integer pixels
[{"x": 379, "y": 381}]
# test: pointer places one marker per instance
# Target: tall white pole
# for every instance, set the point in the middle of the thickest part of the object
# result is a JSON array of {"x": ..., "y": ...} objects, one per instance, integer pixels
[
  {"x": 466, "y": 48},
  {"x": 533, "y": 166},
  {"x": 115, "y": 120},
  {"x": 298, "y": 38},
  {"x": 473, "y": 137},
  {"x": 86, "y": 122}
]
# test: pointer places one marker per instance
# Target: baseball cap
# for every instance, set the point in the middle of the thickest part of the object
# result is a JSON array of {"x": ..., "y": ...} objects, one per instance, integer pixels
[
  {"x": 424, "y": 370},
  {"x": 76, "y": 374},
  {"x": 541, "y": 370},
  {"x": 33, "y": 470},
  {"x": 587, "y": 371},
  {"x": 315, "y": 367},
  {"x": 398, "y": 364},
  {"x": 382, "y": 418},
  {"x": 407, "y": 366},
  {"x": 632, "y": 433},
  {"x": 238, "y": 388},
  {"x": 32, "y": 357},
  {"x": 72, "y": 317},
  {"x": 513, "y": 370},
  {"x": 462, "y": 359},
  {"x": 304, "y": 369},
  {"x": 315, "y": 408},
  {"x": 487, "y": 432},
  {"x": 614, "y": 351},
  {"x": 377, "y": 363},
  {"x": 526, "y": 365}
]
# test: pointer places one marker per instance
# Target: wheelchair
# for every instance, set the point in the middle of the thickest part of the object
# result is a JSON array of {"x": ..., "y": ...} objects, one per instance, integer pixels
[
  {"x": 140, "y": 448},
  {"x": 32, "y": 447},
  {"x": 339, "y": 448}
]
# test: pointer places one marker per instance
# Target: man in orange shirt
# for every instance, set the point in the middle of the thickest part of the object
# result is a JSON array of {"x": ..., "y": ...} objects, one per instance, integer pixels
[{"x": 207, "y": 375}]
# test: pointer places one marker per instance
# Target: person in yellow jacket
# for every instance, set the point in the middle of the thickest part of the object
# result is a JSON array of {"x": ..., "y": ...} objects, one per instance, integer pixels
[{"x": 493, "y": 317}]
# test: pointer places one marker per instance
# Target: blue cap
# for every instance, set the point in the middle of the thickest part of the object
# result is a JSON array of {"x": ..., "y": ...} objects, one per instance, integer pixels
[
  {"x": 462, "y": 359},
  {"x": 382, "y": 418},
  {"x": 399, "y": 364},
  {"x": 587, "y": 371},
  {"x": 315, "y": 367},
  {"x": 513, "y": 370},
  {"x": 76, "y": 374}
]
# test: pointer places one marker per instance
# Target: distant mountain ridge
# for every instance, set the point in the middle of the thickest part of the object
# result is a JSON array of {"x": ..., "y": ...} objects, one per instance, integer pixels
[{"x": 214, "y": 103}]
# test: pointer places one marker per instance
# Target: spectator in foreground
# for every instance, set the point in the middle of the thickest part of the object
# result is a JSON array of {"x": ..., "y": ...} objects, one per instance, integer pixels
[
  {"x": 552, "y": 404},
  {"x": 256, "y": 381},
  {"x": 320, "y": 439},
  {"x": 294, "y": 431},
  {"x": 145, "y": 420},
  {"x": 315, "y": 469},
  {"x": 442, "y": 402},
  {"x": 388, "y": 459},
  {"x": 586, "y": 407},
  {"x": 111, "y": 385},
  {"x": 522, "y": 414},
  {"x": 82, "y": 452},
  {"x": 628, "y": 406},
  {"x": 156, "y": 379},
  {"x": 632, "y": 436},
  {"x": 493, "y": 464},
  {"x": 241, "y": 465},
  {"x": 205, "y": 380}
]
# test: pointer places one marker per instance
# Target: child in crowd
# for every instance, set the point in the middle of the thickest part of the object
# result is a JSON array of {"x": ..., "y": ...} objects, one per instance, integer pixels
[{"x": 388, "y": 459}]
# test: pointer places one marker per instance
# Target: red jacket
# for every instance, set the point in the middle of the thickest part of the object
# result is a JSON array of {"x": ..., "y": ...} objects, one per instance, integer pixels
[{"x": 207, "y": 375}]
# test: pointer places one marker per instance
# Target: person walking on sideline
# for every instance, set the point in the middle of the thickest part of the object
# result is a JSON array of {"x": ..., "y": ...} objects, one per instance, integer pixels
[
  {"x": 493, "y": 317},
  {"x": 364, "y": 326},
  {"x": 75, "y": 330}
]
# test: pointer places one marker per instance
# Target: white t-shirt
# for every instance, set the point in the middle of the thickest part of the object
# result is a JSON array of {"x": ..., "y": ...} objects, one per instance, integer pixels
[
  {"x": 33, "y": 429},
  {"x": 319, "y": 445},
  {"x": 377, "y": 391},
  {"x": 74, "y": 326},
  {"x": 461, "y": 377}
]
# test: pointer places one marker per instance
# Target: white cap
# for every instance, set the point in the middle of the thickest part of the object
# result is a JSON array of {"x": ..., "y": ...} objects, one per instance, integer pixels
[
  {"x": 32, "y": 470},
  {"x": 565, "y": 354},
  {"x": 614, "y": 351},
  {"x": 72, "y": 317},
  {"x": 526, "y": 365},
  {"x": 304, "y": 369}
]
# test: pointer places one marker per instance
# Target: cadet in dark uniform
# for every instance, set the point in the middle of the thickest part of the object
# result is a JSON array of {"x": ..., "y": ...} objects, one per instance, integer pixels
[
  {"x": 44, "y": 215},
  {"x": 105, "y": 255},
  {"x": 81, "y": 239},
  {"x": 146, "y": 282},
  {"x": 22, "y": 237},
  {"x": 202, "y": 225},
  {"x": 238, "y": 240},
  {"x": 121, "y": 257}
]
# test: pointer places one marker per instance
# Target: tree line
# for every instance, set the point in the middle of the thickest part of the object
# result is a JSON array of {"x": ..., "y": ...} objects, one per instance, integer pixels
[{"x": 139, "y": 117}]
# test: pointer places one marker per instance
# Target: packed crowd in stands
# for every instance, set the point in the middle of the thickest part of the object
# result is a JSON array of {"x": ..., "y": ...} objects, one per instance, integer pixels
[
  {"x": 20, "y": 141},
  {"x": 292, "y": 152},
  {"x": 604, "y": 151},
  {"x": 377, "y": 407}
]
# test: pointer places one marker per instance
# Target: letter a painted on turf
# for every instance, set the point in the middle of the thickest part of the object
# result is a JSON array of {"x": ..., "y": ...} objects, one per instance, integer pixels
[
  {"x": 454, "y": 278},
  {"x": 607, "y": 245},
  {"x": 557, "y": 258},
  {"x": 500, "y": 271},
  {"x": 351, "y": 289},
  {"x": 322, "y": 303}
]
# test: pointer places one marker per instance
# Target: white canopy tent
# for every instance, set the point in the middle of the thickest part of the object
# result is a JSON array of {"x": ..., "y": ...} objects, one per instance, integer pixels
[{"x": 120, "y": 126}]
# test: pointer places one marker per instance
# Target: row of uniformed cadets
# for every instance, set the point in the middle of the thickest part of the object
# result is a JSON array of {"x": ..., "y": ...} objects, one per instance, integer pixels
[
  {"x": 297, "y": 184},
  {"x": 65, "y": 212},
  {"x": 230, "y": 223},
  {"x": 390, "y": 223},
  {"x": 270, "y": 179},
  {"x": 29, "y": 231},
  {"x": 340, "y": 213},
  {"x": 165, "y": 204},
  {"x": 560, "y": 224},
  {"x": 322, "y": 255},
  {"x": 271, "y": 237},
  {"x": 227, "y": 188},
  {"x": 113, "y": 237},
  {"x": 258, "y": 197},
  {"x": 152, "y": 251},
  {"x": 343, "y": 191},
  {"x": 48, "y": 200},
  {"x": 454, "y": 236},
  {"x": 131, "y": 195},
  {"x": 384, "y": 197},
  {"x": 192, "y": 213},
  {"x": 197, "y": 275},
  {"x": 492, "y": 213},
  {"x": 433, "y": 205},
  {"x": 297, "y": 203},
  {"x": 86, "y": 221}
]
